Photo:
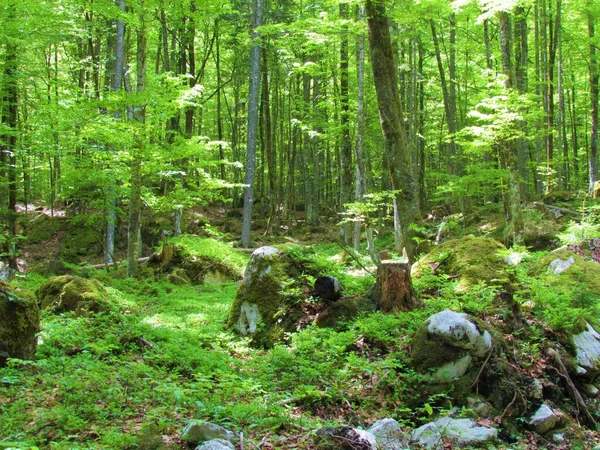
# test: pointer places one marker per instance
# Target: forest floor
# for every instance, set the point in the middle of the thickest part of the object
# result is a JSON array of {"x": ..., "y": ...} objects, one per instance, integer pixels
[{"x": 133, "y": 376}]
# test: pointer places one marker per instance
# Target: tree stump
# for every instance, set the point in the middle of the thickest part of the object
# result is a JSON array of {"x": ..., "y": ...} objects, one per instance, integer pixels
[{"x": 394, "y": 290}]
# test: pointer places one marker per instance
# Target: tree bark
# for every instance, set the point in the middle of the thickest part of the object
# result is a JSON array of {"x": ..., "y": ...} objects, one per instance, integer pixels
[
  {"x": 393, "y": 290},
  {"x": 593, "y": 69},
  {"x": 392, "y": 123},
  {"x": 253, "y": 91},
  {"x": 346, "y": 154}
]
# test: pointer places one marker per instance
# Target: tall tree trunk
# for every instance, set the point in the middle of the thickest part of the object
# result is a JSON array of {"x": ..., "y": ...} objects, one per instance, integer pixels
[
  {"x": 135, "y": 202},
  {"x": 117, "y": 83},
  {"x": 448, "y": 92},
  {"x": 9, "y": 152},
  {"x": 593, "y": 154},
  {"x": 361, "y": 172},
  {"x": 346, "y": 154},
  {"x": 508, "y": 148},
  {"x": 392, "y": 122},
  {"x": 521, "y": 80},
  {"x": 253, "y": 91}
]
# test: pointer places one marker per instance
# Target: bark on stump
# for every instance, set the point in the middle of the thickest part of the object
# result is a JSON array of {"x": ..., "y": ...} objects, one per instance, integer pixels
[{"x": 394, "y": 290}]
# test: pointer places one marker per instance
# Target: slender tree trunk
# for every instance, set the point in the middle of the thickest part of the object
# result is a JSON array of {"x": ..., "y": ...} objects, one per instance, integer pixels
[
  {"x": 346, "y": 154},
  {"x": 593, "y": 154},
  {"x": 9, "y": 120},
  {"x": 253, "y": 91},
  {"x": 135, "y": 206},
  {"x": 392, "y": 123},
  {"x": 117, "y": 83},
  {"x": 508, "y": 148},
  {"x": 361, "y": 173}
]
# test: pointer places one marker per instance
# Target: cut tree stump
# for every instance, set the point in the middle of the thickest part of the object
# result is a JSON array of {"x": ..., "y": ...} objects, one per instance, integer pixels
[{"x": 393, "y": 289}]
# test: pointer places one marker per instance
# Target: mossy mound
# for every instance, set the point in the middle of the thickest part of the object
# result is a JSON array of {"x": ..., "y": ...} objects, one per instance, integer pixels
[
  {"x": 71, "y": 293},
  {"x": 267, "y": 304},
  {"x": 19, "y": 323},
  {"x": 581, "y": 278},
  {"x": 50, "y": 267},
  {"x": 81, "y": 241},
  {"x": 45, "y": 227},
  {"x": 343, "y": 311},
  {"x": 468, "y": 260},
  {"x": 201, "y": 258}
]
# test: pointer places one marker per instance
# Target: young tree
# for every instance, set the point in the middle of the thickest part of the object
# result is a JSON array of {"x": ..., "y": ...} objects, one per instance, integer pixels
[{"x": 383, "y": 62}]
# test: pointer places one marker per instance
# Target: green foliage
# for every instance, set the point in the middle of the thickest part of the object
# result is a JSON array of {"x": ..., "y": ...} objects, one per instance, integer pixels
[{"x": 577, "y": 232}]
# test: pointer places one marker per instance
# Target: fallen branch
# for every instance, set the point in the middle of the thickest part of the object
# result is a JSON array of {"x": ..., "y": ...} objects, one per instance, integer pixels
[
  {"x": 554, "y": 209},
  {"x": 106, "y": 265},
  {"x": 571, "y": 389}
]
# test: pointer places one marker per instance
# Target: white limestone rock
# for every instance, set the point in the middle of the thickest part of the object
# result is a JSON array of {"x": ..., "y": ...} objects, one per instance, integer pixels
[
  {"x": 389, "y": 435},
  {"x": 544, "y": 419},
  {"x": 216, "y": 444},
  {"x": 452, "y": 370},
  {"x": 198, "y": 431},
  {"x": 254, "y": 267},
  {"x": 587, "y": 350},
  {"x": 457, "y": 330},
  {"x": 558, "y": 266},
  {"x": 461, "y": 432}
]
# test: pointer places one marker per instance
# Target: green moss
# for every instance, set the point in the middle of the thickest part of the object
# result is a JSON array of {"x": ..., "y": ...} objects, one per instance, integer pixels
[
  {"x": 19, "y": 322},
  {"x": 211, "y": 252},
  {"x": 44, "y": 228},
  {"x": 429, "y": 352},
  {"x": 81, "y": 241},
  {"x": 276, "y": 295},
  {"x": 470, "y": 260},
  {"x": 71, "y": 293}
]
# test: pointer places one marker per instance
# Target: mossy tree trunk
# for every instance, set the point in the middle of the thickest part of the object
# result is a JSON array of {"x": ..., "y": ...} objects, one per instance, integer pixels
[{"x": 394, "y": 290}]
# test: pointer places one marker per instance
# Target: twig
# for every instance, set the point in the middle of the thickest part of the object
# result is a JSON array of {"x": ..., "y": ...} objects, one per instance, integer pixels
[
  {"x": 241, "y": 440},
  {"x": 144, "y": 343},
  {"x": 481, "y": 370},
  {"x": 571, "y": 389},
  {"x": 556, "y": 208},
  {"x": 510, "y": 405}
]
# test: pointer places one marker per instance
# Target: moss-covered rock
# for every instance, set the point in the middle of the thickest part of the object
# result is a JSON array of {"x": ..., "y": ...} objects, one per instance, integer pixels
[
  {"x": 82, "y": 240},
  {"x": 71, "y": 293},
  {"x": 447, "y": 343},
  {"x": 581, "y": 277},
  {"x": 179, "y": 277},
  {"x": 267, "y": 304},
  {"x": 50, "y": 267},
  {"x": 44, "y": 228},
  {"x": 344, "y": 311},
  {"x": 469, "y": 260},
  {"x": 19, "y": 323}
]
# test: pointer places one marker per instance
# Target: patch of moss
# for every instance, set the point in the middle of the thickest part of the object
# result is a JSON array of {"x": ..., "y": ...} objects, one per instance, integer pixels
[
  {"x": 429, "y": 352},
  {"x": 19, "y": 323},
  {"x": 71, "y": 293},
  {"x": 44, "y": 228},
  {"x": 81, "y": 241},
  {"x": 470, "y": 260}
]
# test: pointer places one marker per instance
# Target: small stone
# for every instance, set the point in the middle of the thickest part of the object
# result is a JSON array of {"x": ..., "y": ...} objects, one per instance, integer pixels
[
  {"x": 480, "y": 407},
  {"x": 544, "y": 420},
  {"x": 559, "y": 438},
  {"x": 198, "y": 431},
  {"x": 591, "y": 389},
  {"x": 389, "y": 434},
  {"x": 462, "y": 432},
  {"x": 216, "y": 444},
  {"x": 560, "y": 265}
]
